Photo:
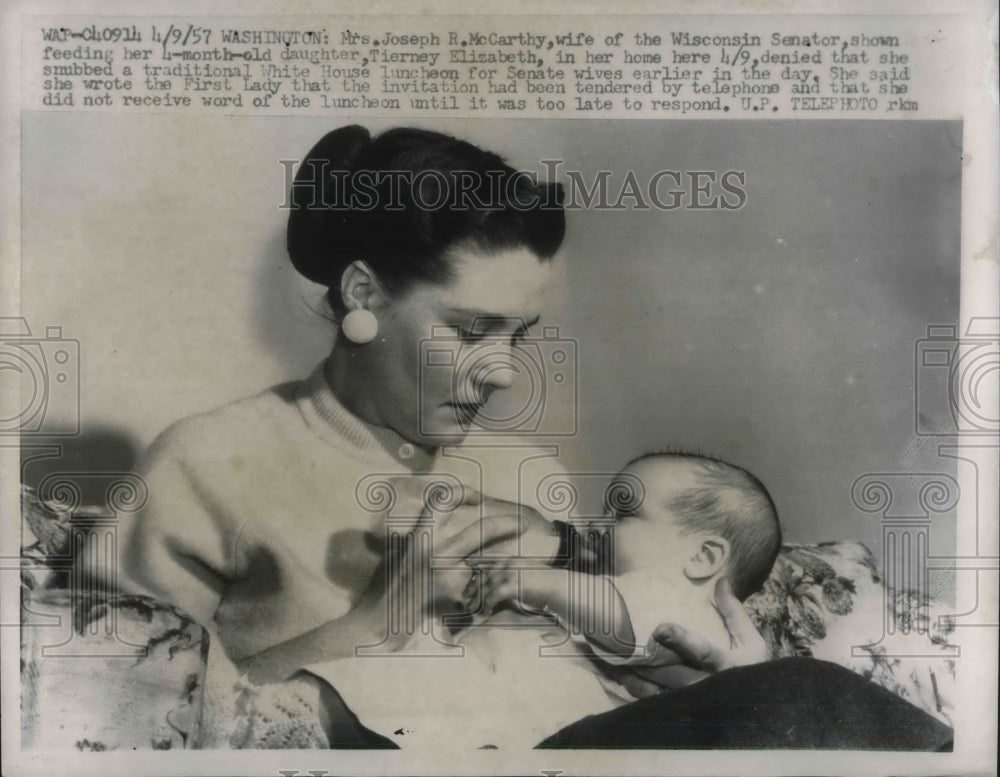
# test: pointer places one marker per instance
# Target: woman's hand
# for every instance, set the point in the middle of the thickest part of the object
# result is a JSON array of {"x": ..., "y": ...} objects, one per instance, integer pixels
[
  {"x": 408, "y": 583},
  {"x": 488, "y": 586},
  {"x": 702, "y": 658},
  {"x": 400, "y": 588},
  {"x": 525, "y": 585},
  {"x": 482, "y": 529},
  {"x": 536, "y": 539},
  {"x": 403, "y": 583}
]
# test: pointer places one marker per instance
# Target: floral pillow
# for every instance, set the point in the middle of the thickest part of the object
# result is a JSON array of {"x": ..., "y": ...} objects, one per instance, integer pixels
[
  {"x": 828, "y": 601},
  {"x": 99, "y": 671}
]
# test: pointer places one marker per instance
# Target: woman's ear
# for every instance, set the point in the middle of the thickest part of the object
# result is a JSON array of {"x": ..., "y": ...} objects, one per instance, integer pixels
[
  {"x": 710, "y": 557},
  {"x": 359, "y": 288}
]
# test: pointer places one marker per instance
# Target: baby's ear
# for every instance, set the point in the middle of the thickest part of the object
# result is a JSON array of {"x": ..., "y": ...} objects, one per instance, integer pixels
[{"x": 711, "y": 553}]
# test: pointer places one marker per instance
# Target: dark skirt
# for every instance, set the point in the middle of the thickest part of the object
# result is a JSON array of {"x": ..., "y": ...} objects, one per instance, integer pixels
[{"x": 791, "y": 703}]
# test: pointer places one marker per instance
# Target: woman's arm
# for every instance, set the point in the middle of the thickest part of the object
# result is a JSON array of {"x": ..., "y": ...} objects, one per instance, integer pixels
[
  {"x": 334, "y": 639},
  {"x": 365, "y": 624},
  {"x": 485, "y": 523},
  {"x": 174, "y": 549}
]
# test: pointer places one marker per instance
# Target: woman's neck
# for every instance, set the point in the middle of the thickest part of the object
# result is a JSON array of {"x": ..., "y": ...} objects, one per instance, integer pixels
[
  {"x": 349, "y": 379},
  {"x": 353, "y": 392}
]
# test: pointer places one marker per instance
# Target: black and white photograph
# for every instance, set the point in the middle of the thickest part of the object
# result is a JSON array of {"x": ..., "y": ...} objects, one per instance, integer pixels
[{"x": 380, "y": 386}]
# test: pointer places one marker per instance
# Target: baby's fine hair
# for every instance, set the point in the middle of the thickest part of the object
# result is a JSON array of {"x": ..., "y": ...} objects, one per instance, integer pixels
[{"x": 731, "y": 502}]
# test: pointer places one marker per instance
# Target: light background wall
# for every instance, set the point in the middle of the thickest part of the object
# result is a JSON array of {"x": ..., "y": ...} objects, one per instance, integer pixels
[{"x": 780, "y": 336}]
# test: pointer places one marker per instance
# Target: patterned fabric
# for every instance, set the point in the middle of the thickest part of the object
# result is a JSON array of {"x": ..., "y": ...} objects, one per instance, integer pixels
[
  {"x": 100, "y": 671},
  {"x": 117, "y": 673},
  {"x": 278, "y": 716},
  {"x": 805, "y": 589},
  {"x": 828, "y": 601}
]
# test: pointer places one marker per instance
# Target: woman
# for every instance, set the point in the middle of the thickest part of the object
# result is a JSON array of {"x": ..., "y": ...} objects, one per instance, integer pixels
[{"x": 256, "y": 523}]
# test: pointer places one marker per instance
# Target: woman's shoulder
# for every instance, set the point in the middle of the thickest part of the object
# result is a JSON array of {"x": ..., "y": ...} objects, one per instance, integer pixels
[{"x": 250, "y": 422}]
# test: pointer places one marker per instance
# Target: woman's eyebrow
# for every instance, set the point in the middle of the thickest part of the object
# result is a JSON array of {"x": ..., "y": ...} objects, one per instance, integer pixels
[{"x": 492, "y": 317}]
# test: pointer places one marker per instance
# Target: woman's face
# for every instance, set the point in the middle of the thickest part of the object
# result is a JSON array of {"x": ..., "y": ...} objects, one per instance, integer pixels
[{"x": 443, "y": 349}]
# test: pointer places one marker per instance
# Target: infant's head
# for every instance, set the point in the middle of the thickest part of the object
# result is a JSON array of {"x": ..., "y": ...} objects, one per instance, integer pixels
[{"x": 699, "y": 516}]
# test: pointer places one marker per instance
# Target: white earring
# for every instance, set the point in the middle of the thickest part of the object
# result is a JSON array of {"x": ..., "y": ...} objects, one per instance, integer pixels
[{"x": 360, "y": 326}]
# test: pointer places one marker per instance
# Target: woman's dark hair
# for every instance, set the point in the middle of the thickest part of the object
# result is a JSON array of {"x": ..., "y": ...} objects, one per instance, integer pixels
[{"x": 401, "y": 200}]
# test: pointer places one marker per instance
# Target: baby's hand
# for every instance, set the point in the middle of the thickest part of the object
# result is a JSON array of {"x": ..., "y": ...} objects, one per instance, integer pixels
[
  {"x": 449, "y": 585},
  {"x": 488, "y": 586},
  {"x": 496, "y": 583}
]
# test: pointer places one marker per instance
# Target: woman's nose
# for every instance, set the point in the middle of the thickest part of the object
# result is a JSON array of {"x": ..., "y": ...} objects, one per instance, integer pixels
[{"x": 495, "y": 367}]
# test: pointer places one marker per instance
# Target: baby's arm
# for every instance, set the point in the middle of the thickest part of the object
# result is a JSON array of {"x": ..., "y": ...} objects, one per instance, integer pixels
[{"x": 585, "y": 604}]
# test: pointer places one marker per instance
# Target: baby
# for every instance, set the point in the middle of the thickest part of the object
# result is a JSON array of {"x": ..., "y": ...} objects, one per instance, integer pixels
[
  {"x": 655, "y": 558},
  {"x": 689, "y": 521}
]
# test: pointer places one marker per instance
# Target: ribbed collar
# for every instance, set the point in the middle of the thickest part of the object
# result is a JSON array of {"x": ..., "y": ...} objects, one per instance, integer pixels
[{"x": 336, "y": 425}]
